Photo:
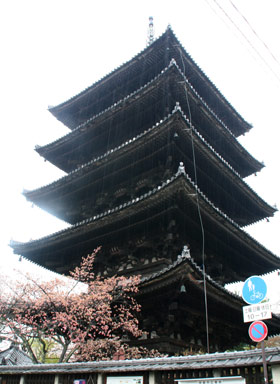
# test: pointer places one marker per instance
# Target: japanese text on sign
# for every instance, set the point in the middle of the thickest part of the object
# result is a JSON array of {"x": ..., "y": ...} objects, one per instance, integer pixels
[{"x": 256, "y": 312}]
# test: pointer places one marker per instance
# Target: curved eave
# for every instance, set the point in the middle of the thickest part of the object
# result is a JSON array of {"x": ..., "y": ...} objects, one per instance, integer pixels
[
  {"x": 52, "y": 191},
  {"x": 245, "y": 163},
  {"x": 238, "y": 125},
  {"x": 63, "y": 111},
  {"x": 185, "y": 271},
  {"x": 180, "y": 181}
]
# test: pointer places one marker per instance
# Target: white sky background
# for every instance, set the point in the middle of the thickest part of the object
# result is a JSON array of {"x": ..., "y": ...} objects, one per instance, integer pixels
[{"x": 52, "y": 50}]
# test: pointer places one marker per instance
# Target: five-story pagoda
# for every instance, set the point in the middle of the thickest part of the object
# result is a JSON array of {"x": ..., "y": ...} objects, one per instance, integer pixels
[{"x": 155, "y": 176}]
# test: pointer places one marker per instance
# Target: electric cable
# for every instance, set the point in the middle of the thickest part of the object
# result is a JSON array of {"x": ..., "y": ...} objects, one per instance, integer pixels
[
  {"x": 198, "y": 209},
  {"x": 254, "y": 32},
  {"x": 244, "y": 37}
]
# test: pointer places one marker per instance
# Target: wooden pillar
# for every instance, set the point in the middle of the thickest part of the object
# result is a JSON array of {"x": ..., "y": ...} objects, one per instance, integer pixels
[{"x": 22, "y": 379}]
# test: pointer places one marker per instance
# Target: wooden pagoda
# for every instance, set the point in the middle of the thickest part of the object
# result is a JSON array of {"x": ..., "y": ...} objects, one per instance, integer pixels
[{"x": 155, "y": 176}]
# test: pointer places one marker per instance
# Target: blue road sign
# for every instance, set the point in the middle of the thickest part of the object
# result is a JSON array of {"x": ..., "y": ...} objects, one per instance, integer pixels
[{"x": 254, "y": 290}]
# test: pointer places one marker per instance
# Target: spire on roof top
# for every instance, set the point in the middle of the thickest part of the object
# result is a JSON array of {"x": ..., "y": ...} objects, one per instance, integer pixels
[{"x": 151, "y": 33}]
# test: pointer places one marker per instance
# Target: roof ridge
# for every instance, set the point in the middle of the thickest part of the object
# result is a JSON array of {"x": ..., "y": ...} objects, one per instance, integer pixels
[
  {"x": 211, "y": 83},
  {"x": 144, "y": 196},
  {"x": 133, "y": 93},
  {"x": 158, "y": 362},
  {"x": 138, "y": 137},
  {"x": 111, "y": 107},
  {"x": 182, "y": 257},
  {"x": 200, "y": 72},
  {"x": 96, "y": 83}
]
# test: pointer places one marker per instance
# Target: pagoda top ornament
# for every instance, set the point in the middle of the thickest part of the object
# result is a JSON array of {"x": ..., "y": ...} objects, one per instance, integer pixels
[{"x": 151, "y": 32}]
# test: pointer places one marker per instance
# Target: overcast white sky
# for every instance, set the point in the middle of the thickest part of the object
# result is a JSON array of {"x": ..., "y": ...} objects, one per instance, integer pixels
[{"x": 51, "y": 50}]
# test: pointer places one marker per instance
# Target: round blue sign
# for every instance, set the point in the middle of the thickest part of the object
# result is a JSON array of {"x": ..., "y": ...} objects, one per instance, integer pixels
[{"x": 254, "y": 290}]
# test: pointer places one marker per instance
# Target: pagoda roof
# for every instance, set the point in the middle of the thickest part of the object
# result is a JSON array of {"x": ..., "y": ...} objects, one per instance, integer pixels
[
  {"x": 178, "y": 194},
  {"x": 59, "y": 196},
  {"x": 91, "y": 137},
  {"x": 186, "y": 271},
  {"x": 136, "y": 72},
  {"x": 185, "y": 266}
]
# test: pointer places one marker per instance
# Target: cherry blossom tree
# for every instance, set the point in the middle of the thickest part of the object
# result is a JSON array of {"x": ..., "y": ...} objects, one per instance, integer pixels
[
  {"x": 82, "y": 316},
  {"x": 112, "y": 349}
]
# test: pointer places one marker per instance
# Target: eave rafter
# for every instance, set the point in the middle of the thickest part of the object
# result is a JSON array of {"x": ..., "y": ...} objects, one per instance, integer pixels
[
  {"x": 49, "y": 197},
  {"x": 84, "y": 138},
  {"x": 155, "y": 55},
  {"x": 218, "y": 226},
  {"x": 185, "y": 271}
]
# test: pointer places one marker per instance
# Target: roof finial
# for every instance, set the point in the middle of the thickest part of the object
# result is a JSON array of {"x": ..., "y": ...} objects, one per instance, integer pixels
[{"x": 151, "y": 33}]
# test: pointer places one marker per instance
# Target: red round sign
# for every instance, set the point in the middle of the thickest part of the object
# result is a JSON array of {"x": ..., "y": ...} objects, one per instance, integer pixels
[{"x": 258, "y": 331}]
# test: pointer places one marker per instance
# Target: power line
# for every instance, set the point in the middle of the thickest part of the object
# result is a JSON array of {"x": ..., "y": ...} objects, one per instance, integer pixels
[
  {"x": 244, "y": 36},
  {"x": 198, "y": 209},
  {"x": 254, "y": 32}
]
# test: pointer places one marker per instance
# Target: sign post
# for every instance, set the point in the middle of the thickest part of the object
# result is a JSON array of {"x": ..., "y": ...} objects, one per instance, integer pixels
[
  {"x": 253, "y": 292},
  {"x": 258, "y": 332},
  {"x": 264, "y": 364}
]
